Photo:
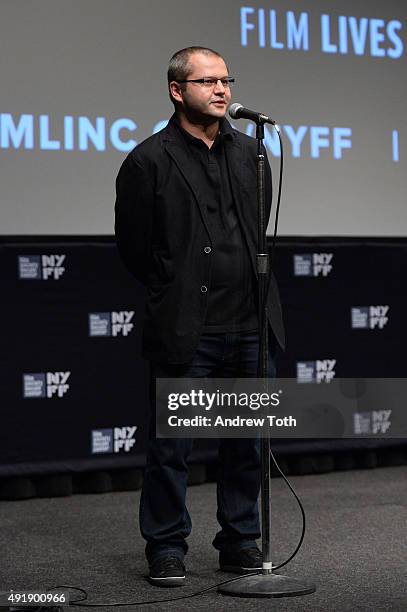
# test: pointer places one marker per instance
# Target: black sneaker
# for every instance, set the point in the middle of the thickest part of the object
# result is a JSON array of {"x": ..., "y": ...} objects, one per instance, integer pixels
[
  {"x": 167, "y": 572},
  {"x": 242, "y": 561}
]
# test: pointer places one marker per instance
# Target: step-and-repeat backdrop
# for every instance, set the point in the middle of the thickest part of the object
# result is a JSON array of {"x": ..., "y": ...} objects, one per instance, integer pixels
[{"x": 74, "y": 389}]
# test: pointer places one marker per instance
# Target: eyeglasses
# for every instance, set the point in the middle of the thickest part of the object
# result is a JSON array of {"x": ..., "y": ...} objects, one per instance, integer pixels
[{"x": 210, "y": 82}]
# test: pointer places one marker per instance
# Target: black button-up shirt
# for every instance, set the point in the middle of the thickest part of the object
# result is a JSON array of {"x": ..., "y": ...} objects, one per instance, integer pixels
[{"x": 231, "y": 303}]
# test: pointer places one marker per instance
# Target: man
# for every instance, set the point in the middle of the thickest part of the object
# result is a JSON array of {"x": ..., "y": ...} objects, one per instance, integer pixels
[{"x": 186, "y": 227}]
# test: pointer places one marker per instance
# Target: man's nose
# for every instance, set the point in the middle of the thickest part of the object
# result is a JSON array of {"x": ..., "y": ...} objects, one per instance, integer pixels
[{"x": 219, "y": 87}]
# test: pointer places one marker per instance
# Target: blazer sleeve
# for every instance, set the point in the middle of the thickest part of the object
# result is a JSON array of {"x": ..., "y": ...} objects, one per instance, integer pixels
[{"x": 134, "y": 218}]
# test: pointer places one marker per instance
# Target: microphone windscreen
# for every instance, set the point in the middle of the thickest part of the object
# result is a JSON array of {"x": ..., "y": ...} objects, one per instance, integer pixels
[{"x": 234, "y": 109}]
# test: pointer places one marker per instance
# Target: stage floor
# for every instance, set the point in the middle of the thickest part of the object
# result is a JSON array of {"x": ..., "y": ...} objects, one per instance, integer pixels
[{"x": 354, "y": 549}]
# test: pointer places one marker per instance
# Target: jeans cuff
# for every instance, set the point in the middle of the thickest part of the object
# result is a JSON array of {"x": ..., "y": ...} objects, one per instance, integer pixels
[
  {"x": 236, "y": 545},
  {"x": 166, "y": 552}
]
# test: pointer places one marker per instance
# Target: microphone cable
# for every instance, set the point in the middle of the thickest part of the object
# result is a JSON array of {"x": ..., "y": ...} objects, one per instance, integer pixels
[
  {"x": 280, "y": 183},
  {"x": 81, "y": 601}
]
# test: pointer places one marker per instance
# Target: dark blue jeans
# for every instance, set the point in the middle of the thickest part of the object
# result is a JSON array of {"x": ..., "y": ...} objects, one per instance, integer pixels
[{"x": 164, "y": 519}]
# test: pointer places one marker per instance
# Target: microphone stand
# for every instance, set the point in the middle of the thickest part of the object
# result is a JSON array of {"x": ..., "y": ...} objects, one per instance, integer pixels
[{"x": 264, "y": 584}]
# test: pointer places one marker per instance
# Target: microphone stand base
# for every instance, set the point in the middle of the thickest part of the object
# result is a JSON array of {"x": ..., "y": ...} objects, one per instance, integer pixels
[{"x": 267, "y": 585}]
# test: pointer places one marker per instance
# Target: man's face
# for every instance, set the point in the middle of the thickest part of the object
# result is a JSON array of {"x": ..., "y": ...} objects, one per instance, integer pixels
[{"x": 201, "y": 103}]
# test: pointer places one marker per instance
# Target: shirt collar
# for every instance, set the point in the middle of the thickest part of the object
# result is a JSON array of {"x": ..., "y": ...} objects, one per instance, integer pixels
[{"x": 225, "y": 131}]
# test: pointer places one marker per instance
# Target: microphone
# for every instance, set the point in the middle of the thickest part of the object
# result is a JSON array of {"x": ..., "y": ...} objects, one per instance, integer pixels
[{"x": 237, "y": 111}]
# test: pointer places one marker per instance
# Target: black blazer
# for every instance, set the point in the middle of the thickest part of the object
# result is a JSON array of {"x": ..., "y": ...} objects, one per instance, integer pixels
[{"x": 162, "y": 230}]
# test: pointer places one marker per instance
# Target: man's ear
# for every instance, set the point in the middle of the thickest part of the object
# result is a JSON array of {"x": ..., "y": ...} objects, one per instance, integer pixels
[{"x": 175, "y": 90}]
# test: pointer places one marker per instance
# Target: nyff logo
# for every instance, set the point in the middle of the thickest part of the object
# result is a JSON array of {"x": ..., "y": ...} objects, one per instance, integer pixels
[
  {"x": 41, "y": 267},
  {"x": 121, "y": 322},
  {"x": 111, "y": 323},
  {"x": 57, "y": 383},
  {"x": 45, "y": 384},
  {"x": 369, "y": 317},
  {"x": 319, "y": 371},
  {"x": 124, "y": 438},
  {"x": 313, "y": 264},
  {"x": 113, "y": 440},
  {"x": 374, "y": 422},
  {"x": 52, "y": 266}
]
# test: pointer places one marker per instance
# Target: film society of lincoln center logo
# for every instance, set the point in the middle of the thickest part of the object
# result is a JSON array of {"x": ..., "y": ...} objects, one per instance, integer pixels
[
  {"x": 369, "y": 317},
  {"x": 41, "y": 267},
  {"x": 45, "y": 384},
  {"x": 111, "y": 323},
  {"x": 114, "y": 439},
  {"x": 319, "y": 371},
  {"x": 313, "y": 264}
]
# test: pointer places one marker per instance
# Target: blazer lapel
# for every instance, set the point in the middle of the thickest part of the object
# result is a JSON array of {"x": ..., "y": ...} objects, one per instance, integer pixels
[{"x": 178, "y": 152}]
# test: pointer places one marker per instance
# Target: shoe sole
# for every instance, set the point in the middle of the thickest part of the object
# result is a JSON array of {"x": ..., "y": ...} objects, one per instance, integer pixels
[
  {"x": 173, "y": 581},
  {"x": 235, "y": 569}
]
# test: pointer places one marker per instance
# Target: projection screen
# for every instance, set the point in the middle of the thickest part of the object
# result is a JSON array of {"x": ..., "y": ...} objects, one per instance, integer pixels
[{"x": 84, "y": 81}]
